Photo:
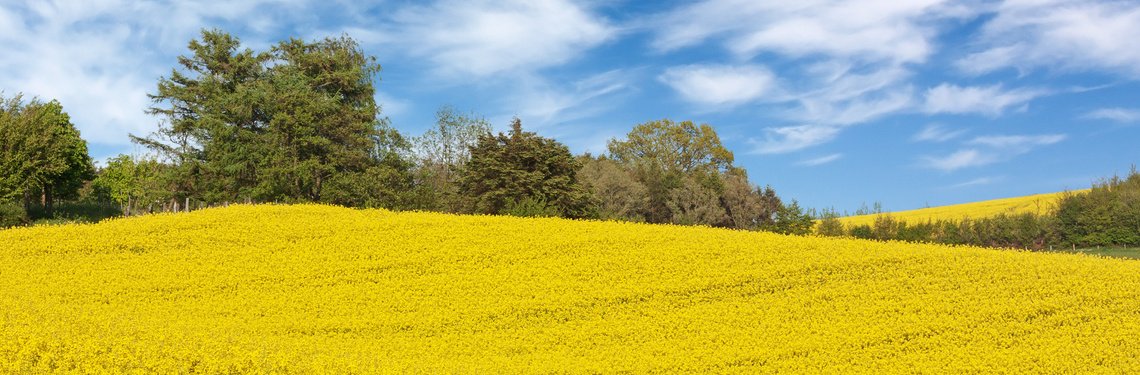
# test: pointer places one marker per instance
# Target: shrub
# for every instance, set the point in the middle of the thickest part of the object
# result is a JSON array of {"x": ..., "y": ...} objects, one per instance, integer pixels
[
  {"x": 12, "y": 214},
  {"x": 531, "y": 207}
]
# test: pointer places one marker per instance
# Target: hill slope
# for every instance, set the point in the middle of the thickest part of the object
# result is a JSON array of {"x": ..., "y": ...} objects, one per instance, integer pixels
[
  {"x": 1037, "y": 203},
  {"x": 321, "y": 289}
]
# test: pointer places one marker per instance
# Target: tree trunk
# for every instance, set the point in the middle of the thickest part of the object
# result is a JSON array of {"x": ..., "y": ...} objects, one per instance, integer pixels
[{"x": 48, "y": 201}]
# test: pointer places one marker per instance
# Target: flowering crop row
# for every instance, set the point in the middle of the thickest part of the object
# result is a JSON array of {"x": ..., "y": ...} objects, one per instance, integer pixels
[
  {"x": 318, "y": 289},
  {"x": 1040, "y": 204}
]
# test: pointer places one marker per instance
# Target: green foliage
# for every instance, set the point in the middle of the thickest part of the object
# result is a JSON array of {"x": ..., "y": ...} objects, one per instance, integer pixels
[
  {"x": 620, "y": 196},
  {"x": 694, "y": 203},
  {"x": 791, "y": 219},
  {"x": 135, "y": 182},
  {"x": 295, "y": 123},
  {"x": 73, "y": 212},
  {"x": 1108, "y": 214},
  {"x": 664, "y": 156},
  {"x": 669, "y": 172},
  {"x": 829, "y": 224},
  {"x": 885, "y": 227},
  {"x": 531, "y": 207},
  {"x": 862, "y": 231},
  {"x": 12, "y": 215},
  {"x": 747, "y": 206},
  {"x": 506, "y": 169},
  {"x": 442, "y": 152},
  {"x": 42, "y": 156},
  {"x": 1026, "y": 230}
]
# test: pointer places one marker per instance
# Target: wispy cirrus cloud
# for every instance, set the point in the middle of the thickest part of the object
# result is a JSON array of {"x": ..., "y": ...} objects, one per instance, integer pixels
[
  {"x": 90, "y": 55},
  {"x": 894, "y": 31},
  {"x": 542, "y": 102},
  {"x": 980, "y": 181},
  {"x": 857, "y": 56},
  {"x": 483, "y": 38},
  {"x": 1064, "y": 35},
  {"x": 1017, "y": 142},
  {"x": 820, "y": 160},
  {"x": 985, "y": 150},
  {"x": 720, "y": 85},
  {"x": 960, "y": 159},
  {"x": 1120, "y": 115},
  {"x": 937, "y": 133},
  {"x": 991, "y": 100},
  {"x": 785, "y": 139}
]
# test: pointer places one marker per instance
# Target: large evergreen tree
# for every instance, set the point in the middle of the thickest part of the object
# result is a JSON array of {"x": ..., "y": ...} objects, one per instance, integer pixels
[
  {"x": 213, "y": 118},
  {"x": 521, "y": 167},
  {"x": 296, "y": 123}
]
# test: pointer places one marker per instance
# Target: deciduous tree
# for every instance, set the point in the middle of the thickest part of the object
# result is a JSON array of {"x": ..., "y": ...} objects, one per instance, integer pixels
[
  {"x": 42, "y": 155},
  {"x": 664, "y": 154}
]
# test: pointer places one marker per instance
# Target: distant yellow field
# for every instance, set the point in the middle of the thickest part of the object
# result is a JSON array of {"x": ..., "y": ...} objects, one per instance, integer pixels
[
  {"x": 1038, "y": 204},
  {"x": 317, "y": 289}
]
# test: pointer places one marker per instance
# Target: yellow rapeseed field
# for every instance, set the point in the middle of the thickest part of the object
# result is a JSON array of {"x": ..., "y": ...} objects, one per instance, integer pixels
[
  {"x": 1038, "y": 204},
  {"x": 317, "y": 289}
]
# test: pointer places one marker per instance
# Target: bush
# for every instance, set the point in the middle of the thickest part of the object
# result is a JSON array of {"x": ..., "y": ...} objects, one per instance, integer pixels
[
  {"x": 81, "y": 212},
  {"x": 829, "y": 226},
  {"x": 863, "y": 231},
  {"x": 532, "y": 207},
  {"x": 12, "y": 215}
]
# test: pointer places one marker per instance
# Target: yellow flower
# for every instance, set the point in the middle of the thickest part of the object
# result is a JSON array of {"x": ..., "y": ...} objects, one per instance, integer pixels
[{"x": 320, "y": 289}]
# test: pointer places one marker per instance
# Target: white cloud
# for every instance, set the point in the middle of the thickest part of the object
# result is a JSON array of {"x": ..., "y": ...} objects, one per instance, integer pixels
[
  {"x": 392, "y": 106},
  {"x": 987, "y": 100},
  {"x": 1067, "y": 35},
  {"x": 937, "y": 133},
  {"x": 989, "y": 60},
  {"x": 832, "y": 95},
  {"x": 837, "y": 97},
  {"x": 853, "y": 58},
  {"x": 100, "y": 58},
  {"x": 483, "y": 38},
  {"x": 878, "y": 30},
  {"x": 719, "y": 85},
  {"x": 838, "y": 80},
  {"x": 1017, "y": 142},
  {"x": 539, "y": 101},
  {"x": 975, "y": 182},
  {"x": 1121, "y": 115},
  {"x": 10, "y": 24},
  {"x": 990, "y": 149},
  {"x": 960, "y": 159},
  {"x": 820, "y": 160},
  {"x": 862, "y": 109},
  {"x": 793, "y": 138}
]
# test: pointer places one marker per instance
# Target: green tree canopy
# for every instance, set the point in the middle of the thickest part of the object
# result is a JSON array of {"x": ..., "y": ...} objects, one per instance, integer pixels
[
  {"x": 680, "y": 164},
  {"x": 42, "y": 155},
  {"x": 523, "y": 168},
  {"x": 620, "y": 196},
  {"x": 443, "y": 151},
  {"x": 296, "y": 123},
  {"x": 135, "y": 182}
]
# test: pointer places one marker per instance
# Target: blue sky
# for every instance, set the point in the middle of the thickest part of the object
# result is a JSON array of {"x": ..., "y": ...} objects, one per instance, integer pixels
[{"x": 833, "y": 103}]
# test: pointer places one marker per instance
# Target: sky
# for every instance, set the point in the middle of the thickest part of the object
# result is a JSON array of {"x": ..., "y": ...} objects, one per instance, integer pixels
[{"x": 837, "y": 104}]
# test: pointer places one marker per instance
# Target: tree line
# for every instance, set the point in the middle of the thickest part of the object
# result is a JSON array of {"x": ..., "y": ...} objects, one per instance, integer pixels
[
  {"x": 1106, "y": 215},
  {"x": 298, "y": 122}
]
